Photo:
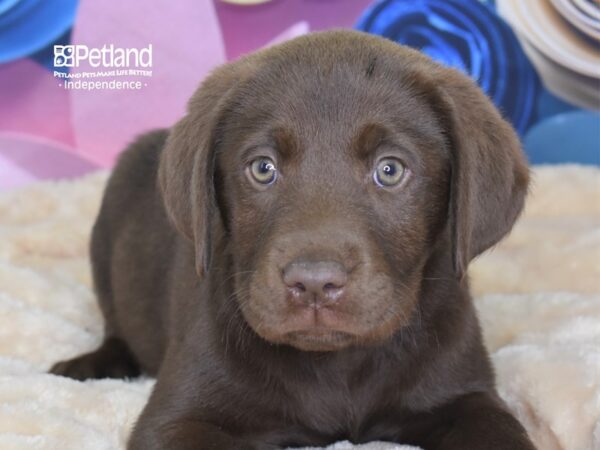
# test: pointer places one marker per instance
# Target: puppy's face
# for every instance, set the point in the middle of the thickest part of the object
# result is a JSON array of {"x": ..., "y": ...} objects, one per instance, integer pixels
[
  {"x": 335, "y": 186},
  {"x": 338, "y": 162}
]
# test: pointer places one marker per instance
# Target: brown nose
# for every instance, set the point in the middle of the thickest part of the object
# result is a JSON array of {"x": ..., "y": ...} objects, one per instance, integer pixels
[{"x": 315, "y": 283}]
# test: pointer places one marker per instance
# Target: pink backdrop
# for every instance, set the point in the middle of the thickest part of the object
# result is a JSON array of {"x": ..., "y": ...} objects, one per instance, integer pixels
[{"x": 49, "y": 132}]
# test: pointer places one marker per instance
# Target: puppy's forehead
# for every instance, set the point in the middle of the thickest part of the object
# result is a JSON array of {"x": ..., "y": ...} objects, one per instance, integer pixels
[{"x": 325, "y": 96}]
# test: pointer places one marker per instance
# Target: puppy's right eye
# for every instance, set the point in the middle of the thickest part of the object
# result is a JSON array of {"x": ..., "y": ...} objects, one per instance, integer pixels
[{"x": 263, "y": 170}]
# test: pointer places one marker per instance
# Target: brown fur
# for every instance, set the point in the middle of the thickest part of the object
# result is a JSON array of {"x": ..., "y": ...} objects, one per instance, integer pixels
[{"x": 245, "y": 358}]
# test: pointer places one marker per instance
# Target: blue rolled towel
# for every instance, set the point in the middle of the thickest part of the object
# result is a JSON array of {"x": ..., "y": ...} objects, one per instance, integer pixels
[{"x": 467, "y": 35}]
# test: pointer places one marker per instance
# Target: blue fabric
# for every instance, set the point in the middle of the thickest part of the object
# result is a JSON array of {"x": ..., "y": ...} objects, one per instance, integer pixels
[
  {"x": 469, "y": 36},
  {"x": 28, "y": 26},
  {"x": 572, "y": 136}
]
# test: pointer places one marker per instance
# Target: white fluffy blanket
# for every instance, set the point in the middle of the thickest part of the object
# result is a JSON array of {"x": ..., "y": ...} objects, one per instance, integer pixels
[{"x": 537, "y": 294}]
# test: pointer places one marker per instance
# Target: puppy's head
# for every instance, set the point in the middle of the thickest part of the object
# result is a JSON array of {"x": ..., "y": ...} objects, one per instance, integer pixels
[{"x": 336, "y": 163}]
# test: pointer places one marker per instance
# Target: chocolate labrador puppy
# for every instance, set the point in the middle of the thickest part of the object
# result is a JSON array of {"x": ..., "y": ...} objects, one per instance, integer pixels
[{"x": 289, "y": 259}]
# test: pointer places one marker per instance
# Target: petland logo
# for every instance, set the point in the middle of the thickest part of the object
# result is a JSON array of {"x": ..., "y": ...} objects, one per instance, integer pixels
[
  {"x": 107, "y": 56},
  {"x": 116, "y": 68}
]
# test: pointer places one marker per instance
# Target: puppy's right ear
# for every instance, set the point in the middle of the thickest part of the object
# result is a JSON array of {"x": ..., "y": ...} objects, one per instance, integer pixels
[{"x": 187, "y": 163}]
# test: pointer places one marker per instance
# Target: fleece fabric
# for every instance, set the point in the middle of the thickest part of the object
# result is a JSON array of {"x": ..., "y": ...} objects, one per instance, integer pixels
[{"x": 537, "y": 293}]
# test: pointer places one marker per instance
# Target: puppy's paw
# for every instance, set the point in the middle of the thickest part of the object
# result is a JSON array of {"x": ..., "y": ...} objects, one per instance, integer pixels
[
  {"x": 112, "y": 360},
  {"x": 80, "y": 368}
]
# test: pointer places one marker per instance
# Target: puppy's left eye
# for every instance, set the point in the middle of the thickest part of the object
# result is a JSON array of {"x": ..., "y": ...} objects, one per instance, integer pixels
[
  {"x": 263, "y": 170},
  {"x": 389, "y": 172}
]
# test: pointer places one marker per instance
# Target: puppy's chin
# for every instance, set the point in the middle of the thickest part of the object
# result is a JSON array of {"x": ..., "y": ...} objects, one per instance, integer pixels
[{"x": 318, "y": 340}]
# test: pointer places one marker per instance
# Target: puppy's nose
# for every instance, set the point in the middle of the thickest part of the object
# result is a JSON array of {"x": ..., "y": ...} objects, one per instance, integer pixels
[{"x": 315, "y": 283}]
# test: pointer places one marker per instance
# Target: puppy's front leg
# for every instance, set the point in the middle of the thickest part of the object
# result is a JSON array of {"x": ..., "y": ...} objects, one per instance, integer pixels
[
  {"x": 185, "y": 434},
  {"x": 175, "y": 418},
  {"x": 475, "y": 421}
]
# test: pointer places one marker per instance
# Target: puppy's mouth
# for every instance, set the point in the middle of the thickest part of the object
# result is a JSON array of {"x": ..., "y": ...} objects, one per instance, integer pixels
[
  {"x": 318, "y": 339},
  {"x": 366, "y": 311}
]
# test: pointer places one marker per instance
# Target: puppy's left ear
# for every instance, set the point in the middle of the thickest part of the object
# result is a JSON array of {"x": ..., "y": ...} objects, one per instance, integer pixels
[{"x": 489, "y": 170}]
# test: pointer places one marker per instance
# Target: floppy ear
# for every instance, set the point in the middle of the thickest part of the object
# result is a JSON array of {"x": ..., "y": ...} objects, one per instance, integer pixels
[
  {"x": 489, "y": 170},
  {"x": 186, "y": 168}
]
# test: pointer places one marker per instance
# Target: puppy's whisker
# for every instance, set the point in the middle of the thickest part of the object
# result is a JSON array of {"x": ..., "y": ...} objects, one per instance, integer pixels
[{"x": 233, "y": 276}]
